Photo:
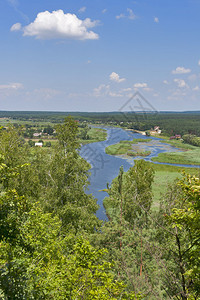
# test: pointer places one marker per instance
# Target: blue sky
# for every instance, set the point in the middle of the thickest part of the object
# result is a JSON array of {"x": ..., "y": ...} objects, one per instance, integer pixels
[{"x": 63, "y": 55}]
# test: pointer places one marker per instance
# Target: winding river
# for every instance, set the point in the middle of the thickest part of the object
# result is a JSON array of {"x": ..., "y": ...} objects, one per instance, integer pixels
[{"x": 106, "y": 167}]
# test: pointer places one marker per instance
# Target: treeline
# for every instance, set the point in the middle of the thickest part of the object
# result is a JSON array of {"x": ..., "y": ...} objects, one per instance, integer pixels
[
  {"x": 52, "y": 246},
  {"x": 170, "y": 123},
  {"x": 191, "y": 139}
]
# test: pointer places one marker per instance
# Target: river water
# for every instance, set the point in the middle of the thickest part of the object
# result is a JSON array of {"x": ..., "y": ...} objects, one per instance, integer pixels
[{"x": 106, "y": 167}]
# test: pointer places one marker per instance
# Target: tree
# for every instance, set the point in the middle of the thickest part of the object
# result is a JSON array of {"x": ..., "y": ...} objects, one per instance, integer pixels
[
  {"x": 184, "y": 219},
  {"x": 127, "y": 234},
  {"x": 37, "y": 262},
  {"x": 67, "y": 183},
  {"x": 130, "y": 194}
]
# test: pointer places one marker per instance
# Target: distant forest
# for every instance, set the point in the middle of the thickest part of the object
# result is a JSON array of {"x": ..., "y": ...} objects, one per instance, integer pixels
[{"x": 170, "y": 123}]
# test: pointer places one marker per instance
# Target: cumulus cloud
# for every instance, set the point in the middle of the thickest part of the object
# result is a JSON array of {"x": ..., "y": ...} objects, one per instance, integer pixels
[
  {"x": 156, "y": 20},
  {"x": 130, "y": 15},
  {"x": 16, "y": 27},
  {"x": 104, "y": 11},
  {"x": 115, "y": 77},
  {"x": 82, "y": 9},
  {"x": 180, "y": 82},
  {"x": 140, "y": 85},
  {"x": 58, "y": 25},
  {"x": 181, "y": 70},
  {"x": 11, "y": 86},
  {"x": 104, "y": 90},
  {"x": 101, "y": 90}
]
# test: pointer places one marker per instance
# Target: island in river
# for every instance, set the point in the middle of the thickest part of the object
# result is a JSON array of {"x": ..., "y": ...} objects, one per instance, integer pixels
[{"x": 105, "y": 167}]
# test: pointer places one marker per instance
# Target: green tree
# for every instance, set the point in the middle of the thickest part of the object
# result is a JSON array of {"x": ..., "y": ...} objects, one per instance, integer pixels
[
  {"x": 184, "y": 220},
  {"x": 67, "y": 183},
  {"x": 128, "y": 232}
]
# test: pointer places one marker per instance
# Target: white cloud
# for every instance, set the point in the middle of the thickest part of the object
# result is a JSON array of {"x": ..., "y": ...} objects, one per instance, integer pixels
[
  {"x": 115, "y": 77},
  {"x": 156, "y": 20},
  {"x": 102, "y": 90},
  {"x": 165, "y": 82},
  {"x": 11, "y": 86},
  {"x": 58, "y": 25},
  {"x": 16, "y": 27},
  {"x": 82, "y": 9},
  {"x": 130, "y": 15},
  {"x": 180, "y": 82},
  {"x": 127, "y": 90},
  {"x": 196, "y": 88},
  {"x": 140, "y": 85},
  {"x": 199, "y": 62},
  {"x": 114, "y": 94},
  {"x": 104, "y": 10},
  {"x": 181, "y": 70}
]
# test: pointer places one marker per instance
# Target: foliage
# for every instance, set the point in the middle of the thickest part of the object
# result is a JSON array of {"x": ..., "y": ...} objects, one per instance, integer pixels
[
  {"x": 185, "y": 216},
  {"x": 191, "y": 139},
  {"x": 38, "y": 263}
]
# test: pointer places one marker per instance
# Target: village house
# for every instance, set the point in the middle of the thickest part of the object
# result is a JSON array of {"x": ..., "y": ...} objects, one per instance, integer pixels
[
  {"x": 156, "y": 130},
  {"x": 36, "y": 134},
  {"x": 39, "y": 144}
]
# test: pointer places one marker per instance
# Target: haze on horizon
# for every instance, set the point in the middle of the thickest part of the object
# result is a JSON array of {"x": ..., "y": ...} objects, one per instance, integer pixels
[{"x": 94, "y": 55}]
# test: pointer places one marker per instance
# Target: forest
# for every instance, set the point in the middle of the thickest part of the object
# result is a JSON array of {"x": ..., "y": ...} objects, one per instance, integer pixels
[
  {"x": 52, "y": 245},
  {"x": 171, "y": 123}
]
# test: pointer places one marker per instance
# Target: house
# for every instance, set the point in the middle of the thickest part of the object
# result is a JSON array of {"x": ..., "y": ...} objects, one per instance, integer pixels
[
  {"x": 178, "y": 136},
  {"x": 156, "y": 130},
  {"x": 38, "y": 144},
  {"x": 175, "y": 137},
  {"x": 37, "y": 134}
]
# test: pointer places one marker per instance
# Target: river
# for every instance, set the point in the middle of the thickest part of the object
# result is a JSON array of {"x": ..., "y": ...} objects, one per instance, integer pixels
[{"x": 106, "y": 167}]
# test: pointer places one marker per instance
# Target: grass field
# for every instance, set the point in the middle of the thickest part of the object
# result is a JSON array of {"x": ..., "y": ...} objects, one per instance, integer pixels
[
  {"x": 164, "y": 176},
  {"x": 189, "y": 157},
  {"x": 177, "y": 143},
  {"x": 123, "y": 147}
]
